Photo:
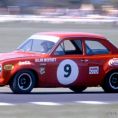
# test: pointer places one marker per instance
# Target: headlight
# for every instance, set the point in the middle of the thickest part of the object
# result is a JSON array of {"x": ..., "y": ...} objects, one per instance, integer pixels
[{"x": 8, "y": 67}]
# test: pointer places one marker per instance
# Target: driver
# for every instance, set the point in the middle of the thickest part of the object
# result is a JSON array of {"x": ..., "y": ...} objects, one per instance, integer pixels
[{"x": 47, "y": 46}]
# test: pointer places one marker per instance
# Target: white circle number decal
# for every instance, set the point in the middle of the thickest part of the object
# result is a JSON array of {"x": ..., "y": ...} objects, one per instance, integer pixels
[{"x": 67, "y": 72}]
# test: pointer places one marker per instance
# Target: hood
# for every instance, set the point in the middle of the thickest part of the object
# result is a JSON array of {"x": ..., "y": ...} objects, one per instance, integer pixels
[{"x": 18, "y": 54}]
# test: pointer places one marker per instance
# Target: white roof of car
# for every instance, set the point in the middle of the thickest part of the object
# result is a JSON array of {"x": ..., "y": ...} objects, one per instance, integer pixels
[{"x": 54, "y": 39}]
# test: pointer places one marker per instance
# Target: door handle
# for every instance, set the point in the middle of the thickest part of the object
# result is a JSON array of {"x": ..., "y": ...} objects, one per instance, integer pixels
[{"x": 84, "y": 60}]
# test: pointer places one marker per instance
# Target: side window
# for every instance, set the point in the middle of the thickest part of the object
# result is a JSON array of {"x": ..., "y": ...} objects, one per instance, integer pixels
[
  {"x": 95, "y": 47},
  {"x": 79, "y": 46},
  {"x": 69, "y": 47},
  {"x": 60, "y": 50}
]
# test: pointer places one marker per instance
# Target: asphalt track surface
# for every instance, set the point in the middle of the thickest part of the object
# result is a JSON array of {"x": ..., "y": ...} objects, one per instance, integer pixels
[{"x": 59, "y": 96}]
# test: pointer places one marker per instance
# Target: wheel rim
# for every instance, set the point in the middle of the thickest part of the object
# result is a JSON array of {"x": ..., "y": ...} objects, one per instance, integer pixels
[
  {"x": 24, "y": 81},
  {"x": 113, "y": 81}
]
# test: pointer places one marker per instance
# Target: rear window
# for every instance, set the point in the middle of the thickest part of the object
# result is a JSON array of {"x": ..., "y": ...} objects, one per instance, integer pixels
[{"x": 95, "y": 47}]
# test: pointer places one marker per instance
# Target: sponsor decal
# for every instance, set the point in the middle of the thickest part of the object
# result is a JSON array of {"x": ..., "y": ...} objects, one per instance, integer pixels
[
  {"x": 113, "y": 62},
  {"x": 94, "y": 70},
  {"x": 42, "y": 70},
  {"x": 67, "y": 72},
  {"x": 46, "y": 60},
  {"x": 24, "y": 63}
]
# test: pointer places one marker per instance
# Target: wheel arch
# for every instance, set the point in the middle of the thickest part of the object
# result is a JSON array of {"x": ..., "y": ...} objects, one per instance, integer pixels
[
  {"x": 106, "y": 83},
  {"x": 26, "y": 69},
  {"x": 107, "y": 74}
]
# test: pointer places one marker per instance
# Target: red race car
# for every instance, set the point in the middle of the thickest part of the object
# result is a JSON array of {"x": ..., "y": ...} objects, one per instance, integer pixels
[{"x": 71, "y": 60}]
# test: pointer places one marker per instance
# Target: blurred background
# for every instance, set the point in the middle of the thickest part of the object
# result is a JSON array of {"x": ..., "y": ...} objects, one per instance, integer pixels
[{"x": 74, "y": 8}]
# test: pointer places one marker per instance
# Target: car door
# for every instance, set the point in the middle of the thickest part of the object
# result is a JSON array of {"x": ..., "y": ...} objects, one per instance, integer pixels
[
  {"x": 70, "y": 67},
  {"x": 97, "y": 56}
]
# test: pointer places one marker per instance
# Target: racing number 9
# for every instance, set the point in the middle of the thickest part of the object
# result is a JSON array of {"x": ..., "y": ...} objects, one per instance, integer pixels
[{"x": 67, "y": 70}]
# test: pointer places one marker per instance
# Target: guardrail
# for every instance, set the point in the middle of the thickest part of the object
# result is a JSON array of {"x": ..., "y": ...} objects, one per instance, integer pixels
[{"x": 57, "y": 19}]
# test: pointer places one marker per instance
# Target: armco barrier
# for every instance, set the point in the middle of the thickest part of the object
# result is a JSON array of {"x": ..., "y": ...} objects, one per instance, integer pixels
[{"x": 33, "y": 18}]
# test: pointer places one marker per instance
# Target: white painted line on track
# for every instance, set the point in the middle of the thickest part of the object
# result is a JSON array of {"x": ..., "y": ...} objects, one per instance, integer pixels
[
  {"x": 46, "y": 103},
  {"x": 92, "y": 102},
  {"x": 78, "y": 102},
  {"x": 59, "y": 104},
  {"x": 6, "y": 104}
]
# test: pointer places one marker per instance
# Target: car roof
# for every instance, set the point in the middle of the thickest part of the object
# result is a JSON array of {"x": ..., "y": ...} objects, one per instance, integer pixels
[{"x": 72, "y": 34}]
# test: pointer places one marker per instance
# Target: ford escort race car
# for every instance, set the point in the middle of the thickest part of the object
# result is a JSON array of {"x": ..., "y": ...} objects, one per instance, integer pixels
[{"x": 70, "y": 60}]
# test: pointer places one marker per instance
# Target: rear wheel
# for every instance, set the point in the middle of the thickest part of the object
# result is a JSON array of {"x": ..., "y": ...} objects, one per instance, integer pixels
[
  {"x": 23, "y": 82},
  {"x": 78, "y": 89},
  {"x": 111, "y": 82}
]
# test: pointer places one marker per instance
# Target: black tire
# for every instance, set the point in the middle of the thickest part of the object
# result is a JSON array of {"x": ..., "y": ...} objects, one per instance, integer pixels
[
  {"x": 110, "y": 84},
  {"x": 23, "y": 82},
  {"x": 78, "y": 89}
]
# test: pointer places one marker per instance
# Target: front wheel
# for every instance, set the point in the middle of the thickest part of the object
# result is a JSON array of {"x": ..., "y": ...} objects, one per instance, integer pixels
[
  {"x": 78, "y": 89},
  {"x": 110, "y": 83},
  {"x": 23, "y": 82}
]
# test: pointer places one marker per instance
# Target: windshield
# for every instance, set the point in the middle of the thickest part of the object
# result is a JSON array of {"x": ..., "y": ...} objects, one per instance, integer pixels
[{"x": 38, "y": 43}]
